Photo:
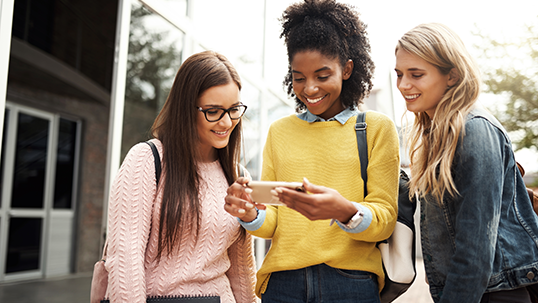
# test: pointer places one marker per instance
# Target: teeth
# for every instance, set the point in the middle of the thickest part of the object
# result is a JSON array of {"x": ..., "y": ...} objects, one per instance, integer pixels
[
  {"x": 314, "y": 100},
  {"x": 411, "y": 96},
  {"x": 220, "y": 133}
]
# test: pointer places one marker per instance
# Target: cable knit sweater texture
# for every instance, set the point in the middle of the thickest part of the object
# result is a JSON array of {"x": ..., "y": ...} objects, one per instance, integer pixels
[
  {"x": 220, "y": 262},
  {"x": 326, "y": 153}
]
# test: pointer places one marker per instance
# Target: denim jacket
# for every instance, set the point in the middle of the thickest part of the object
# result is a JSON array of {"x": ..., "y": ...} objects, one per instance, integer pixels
[{"x": 486, "y": 238}]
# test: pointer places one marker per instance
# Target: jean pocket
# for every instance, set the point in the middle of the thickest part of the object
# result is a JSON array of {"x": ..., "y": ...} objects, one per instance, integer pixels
[{"x": 354, "y": 274}]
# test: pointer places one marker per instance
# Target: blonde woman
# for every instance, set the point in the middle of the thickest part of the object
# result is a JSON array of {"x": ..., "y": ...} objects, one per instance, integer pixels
[{"x": 479, "y": 232}]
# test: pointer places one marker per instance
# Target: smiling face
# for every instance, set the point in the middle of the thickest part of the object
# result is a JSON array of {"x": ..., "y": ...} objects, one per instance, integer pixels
[
  {"x": 317, "y": 82},
  {"x": 215, "y": 135},
  {"x": 422, "y": 84}
]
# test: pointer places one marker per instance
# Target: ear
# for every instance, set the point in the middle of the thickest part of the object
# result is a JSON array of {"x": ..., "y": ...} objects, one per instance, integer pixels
[
  {"x": 453, "y": 77},
  {"x": 348, "y": 69}
]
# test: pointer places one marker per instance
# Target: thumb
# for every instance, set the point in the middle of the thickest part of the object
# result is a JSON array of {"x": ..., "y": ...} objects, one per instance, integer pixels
[
  {"x": 312, "y": 188},
  {"x": 260, "y": 206}
]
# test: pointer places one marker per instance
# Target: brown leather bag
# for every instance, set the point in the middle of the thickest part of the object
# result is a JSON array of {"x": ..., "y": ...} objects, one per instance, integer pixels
[
  {"x": 532, "y": 194},
  {"x": 99, "y": 279},
  {"x": 534, "y": 199},
  {"x": 532, "y": 289}
]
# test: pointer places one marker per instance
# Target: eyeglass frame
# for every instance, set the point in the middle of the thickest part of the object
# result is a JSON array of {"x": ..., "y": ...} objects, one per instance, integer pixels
[{"x": 223, "y": 113}]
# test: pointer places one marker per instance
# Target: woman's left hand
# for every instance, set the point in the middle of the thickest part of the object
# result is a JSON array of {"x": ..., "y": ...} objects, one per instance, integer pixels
[
  {"x": 238, "y": 202},
  {"x": 318, "y": 203}
]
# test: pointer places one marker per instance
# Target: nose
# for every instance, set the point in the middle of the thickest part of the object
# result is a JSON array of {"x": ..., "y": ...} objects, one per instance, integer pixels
[
  {"x": 403, "y": 84},
  {"x": 226, "y": 120},
  {"x": 311, "y": 88}
]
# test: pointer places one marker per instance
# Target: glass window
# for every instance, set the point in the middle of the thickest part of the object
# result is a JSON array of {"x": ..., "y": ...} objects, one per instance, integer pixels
[
  {"x": 174, "y": 10},
  {"x": 253, "y": 132},
  {"x": 4, "y": 140},
  {"x": 78, "y": 33},
  {"x": 154, "y": 57},
  {"x": 33, "y": 21},
  {"x": 250, "y": 96},
  {"x": 236, "y": 31},
  {"x": 65, "y": 164},
  {"x": 276, "y": 108},
  {"x": 24, "y": 244},
  {"x": 30, "y": 162}
]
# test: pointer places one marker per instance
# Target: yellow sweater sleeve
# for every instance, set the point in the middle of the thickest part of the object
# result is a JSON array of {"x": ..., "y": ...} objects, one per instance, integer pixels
[{"x": 326, "y": 153}]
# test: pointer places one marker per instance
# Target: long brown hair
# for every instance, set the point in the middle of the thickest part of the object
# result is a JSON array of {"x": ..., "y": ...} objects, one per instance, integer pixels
[
  {"x": 432, "y": 141},
  {"x": 175, "y": 127}
]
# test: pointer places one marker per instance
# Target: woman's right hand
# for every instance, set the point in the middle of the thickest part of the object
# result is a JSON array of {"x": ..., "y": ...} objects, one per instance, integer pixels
[{"x": 239, "y": 203}]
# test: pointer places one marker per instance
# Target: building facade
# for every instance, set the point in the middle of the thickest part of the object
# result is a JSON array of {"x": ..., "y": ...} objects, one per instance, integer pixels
[{"x": 81, "y": 82}]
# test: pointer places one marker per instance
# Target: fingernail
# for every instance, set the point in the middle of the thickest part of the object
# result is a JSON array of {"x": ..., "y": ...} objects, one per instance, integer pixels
[
  {"x": 248, "y": 190},
  {"x": 306, "y": 180},
  {"x": 249, "y": 205},
  {"x": 274, "y": 193},
  {"x": 278, "y": 190},
  {"x": 241, "y": 211}
]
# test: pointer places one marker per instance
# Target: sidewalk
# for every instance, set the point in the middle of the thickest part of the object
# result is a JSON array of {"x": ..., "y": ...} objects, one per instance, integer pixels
[
  {"x": 72, "y": 289},
  {"x": 76, "y": 288}
]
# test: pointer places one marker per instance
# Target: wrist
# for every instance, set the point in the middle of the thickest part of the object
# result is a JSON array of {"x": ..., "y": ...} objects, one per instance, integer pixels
[
  {"x": 355, "y": 219},
  {"x": 347, "y": 214},
  {"x": 251, "y": 215}
]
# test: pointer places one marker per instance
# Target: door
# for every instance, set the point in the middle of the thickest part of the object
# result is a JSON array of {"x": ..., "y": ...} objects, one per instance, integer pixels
[{"x": 36, "y": 216}]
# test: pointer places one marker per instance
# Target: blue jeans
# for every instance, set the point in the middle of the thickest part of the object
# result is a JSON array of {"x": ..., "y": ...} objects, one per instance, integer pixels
[
  {"x": 519, "y": 295},
  {"x": 321, "y": 283}
]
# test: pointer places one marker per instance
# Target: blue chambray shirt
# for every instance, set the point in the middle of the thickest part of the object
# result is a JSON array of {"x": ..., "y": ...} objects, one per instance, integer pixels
[{"x": 307, "y": 116}]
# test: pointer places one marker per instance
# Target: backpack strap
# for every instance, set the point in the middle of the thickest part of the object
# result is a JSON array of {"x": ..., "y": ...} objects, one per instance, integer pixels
[
  {"x": 157, "y": 161},
  {"x": 362, "y": 145}
]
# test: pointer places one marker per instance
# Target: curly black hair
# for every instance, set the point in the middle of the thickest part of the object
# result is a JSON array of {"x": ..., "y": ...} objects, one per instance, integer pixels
[{"x": 333, "y": 29}]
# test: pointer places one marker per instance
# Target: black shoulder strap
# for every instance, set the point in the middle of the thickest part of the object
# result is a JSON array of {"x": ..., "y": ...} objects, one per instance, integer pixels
[
  {"x": 157, "y": 161},
  {"x": 362, "y": 144}
]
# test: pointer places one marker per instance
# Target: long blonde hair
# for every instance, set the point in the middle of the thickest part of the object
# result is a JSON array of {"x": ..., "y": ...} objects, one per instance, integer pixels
[{"x": 432, "y": 141}]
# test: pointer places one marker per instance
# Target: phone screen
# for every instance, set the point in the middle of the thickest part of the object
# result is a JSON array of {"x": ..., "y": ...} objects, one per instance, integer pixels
[{"x": 261, "y": 190}]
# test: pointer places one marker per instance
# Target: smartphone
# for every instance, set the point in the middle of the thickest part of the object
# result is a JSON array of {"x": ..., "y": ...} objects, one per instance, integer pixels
[{"x": 261, "y": 190}]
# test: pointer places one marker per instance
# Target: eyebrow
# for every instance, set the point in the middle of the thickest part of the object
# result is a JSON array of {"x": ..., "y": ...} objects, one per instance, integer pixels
[
  {"x": 220, "y": 106},
  {"x": 414, "y": 69},
  {"x": 316, "y": 71}
]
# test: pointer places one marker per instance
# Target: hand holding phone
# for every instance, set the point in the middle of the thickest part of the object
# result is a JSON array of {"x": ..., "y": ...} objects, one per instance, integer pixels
[{"x": 261, "y": 190}]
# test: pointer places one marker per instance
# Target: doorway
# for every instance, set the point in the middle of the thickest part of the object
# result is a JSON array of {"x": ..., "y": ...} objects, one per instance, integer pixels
[{"x": 38, "y": 192}]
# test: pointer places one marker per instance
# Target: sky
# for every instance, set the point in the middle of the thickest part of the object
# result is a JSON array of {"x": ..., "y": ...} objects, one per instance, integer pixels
[{"x": 387, "y": 21}]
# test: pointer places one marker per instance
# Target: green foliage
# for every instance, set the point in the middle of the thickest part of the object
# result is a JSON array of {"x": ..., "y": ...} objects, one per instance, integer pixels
[
  {"x": 153, "y": 60},
  {"x": 511, "y": 69}
]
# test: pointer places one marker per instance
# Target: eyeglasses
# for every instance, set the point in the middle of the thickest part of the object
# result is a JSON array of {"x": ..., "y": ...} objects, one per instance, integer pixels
[{"x": 214, "y": 114}]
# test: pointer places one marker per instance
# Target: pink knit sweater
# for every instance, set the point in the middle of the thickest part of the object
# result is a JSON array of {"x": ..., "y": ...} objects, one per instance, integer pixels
[{"x": 218, "y": 263}]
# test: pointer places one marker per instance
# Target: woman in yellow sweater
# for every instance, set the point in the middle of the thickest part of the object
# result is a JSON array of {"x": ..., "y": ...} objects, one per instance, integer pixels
[{"x": 311, "y": 258}]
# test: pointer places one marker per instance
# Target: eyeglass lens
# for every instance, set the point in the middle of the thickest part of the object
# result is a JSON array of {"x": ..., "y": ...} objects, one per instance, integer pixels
[{"x": 214, "y": 114}]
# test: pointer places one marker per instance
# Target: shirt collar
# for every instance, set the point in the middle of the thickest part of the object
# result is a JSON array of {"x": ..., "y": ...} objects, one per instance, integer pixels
[{"x": 341, "y": 117}]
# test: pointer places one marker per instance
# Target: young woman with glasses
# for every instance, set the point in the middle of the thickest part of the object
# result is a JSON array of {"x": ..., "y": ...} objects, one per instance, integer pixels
[{"x": 177, "y": 240}]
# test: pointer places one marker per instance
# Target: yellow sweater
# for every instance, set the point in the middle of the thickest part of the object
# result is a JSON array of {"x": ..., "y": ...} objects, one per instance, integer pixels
[{"x": 326, "y": 154}]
